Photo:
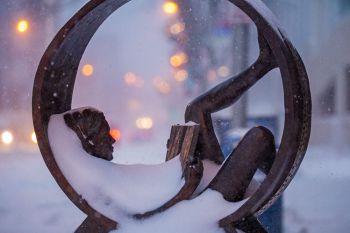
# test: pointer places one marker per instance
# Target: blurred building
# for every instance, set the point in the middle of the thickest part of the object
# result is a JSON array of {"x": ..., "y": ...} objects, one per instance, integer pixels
[
  {"x": 25, "y": 31},
  {"x": 320, "y": 30},
  {"x": 329, "y": 69},
  {"x": 27, "y": 24}
]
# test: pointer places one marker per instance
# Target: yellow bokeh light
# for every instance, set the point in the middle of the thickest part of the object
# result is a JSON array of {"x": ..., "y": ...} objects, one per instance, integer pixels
[
  {"x": 7, "y": 137},
  {"x": 170, "y": 8},
  {"x": 181, "y": 75},
  {"x": 144, "y": 123},
  {"x": 22, "y": 26},
  {"x": 33, "y": 137},
  {"x": 87, "y": 70},
  {"x": 177, "y": 28},
  {"x": 224, "y": 71},
  {"x": 178, "y": 59}
]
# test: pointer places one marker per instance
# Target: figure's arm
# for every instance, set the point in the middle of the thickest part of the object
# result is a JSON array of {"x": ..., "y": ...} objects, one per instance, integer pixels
[
  {"x": 229, "y": 91},
  {"x": 222, "y": 96}
]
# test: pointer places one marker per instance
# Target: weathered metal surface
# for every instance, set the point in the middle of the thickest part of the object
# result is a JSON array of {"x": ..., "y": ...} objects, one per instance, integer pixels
[
  {"x": 54, "y": 82},
  {"x": 90, "y": 225},
  {"x": 236, "y": 173},
  {"x": 182, "y": 142},
  {"x": 92, "y": 129},
  {"x": 249, "y": 225},
  {"x": 275, "y": 51}
]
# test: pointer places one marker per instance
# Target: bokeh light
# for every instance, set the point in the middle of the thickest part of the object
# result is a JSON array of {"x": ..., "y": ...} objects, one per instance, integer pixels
[
  {"x": 7, "y": 137},
  {"x": 22, "y": 26},
  {"x": 178, "y": 59},
  {"x": 116, "y": 134},
  {"x": 162, "y": 86},
  {"x": 170, "y": 8},
  {"x": 33, "y": 138},
  {"x": 177, "y": 28},
  {"x": 88, "y": 70},
  {"x": 181, "y": 75},
  {"x": 223, "y": 71},
  {"x": 144, "y": 123}
]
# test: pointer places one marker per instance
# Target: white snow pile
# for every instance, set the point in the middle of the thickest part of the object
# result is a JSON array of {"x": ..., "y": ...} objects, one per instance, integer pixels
[
  {"x": 120, "y": 191},
  {"x": 200, "y": 214}
]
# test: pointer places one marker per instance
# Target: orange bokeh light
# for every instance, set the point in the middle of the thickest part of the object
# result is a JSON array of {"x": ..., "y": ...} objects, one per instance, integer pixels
[
  {"x": 181, "y": 75},
  {"x": 178, "y": 59},
  {"x": 87, "y": 70},
  {"x": 116, "y": 134},
  {"x": 177, "y": 28}
]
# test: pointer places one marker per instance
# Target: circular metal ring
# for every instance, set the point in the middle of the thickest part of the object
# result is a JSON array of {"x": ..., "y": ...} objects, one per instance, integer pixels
[{"x": 55, "y": 78}]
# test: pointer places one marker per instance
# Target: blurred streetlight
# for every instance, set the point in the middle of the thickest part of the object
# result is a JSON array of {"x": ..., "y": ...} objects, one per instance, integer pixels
[
  {"x": 130, "y": 78},
  {"x": 87, "y": 70},
  {"x": 33, "y": 137},
  {"x": 144, "y": 123},
  {"x": 177, "y": 28},
  {"x": 224, "y": 71},
  {"x": 162, "y": 86},
  {"x": 178, "y": 59},
  {"x": 170, "y": 8},
  {"x": 116, "y": 134},
  {"x": 133, "y": 80},
  {"x": 211, "y": 75},
  {"x": 22, "y": 26},
  {"x": 181, "y": 75},
  {"x": 7, "y": 137}
]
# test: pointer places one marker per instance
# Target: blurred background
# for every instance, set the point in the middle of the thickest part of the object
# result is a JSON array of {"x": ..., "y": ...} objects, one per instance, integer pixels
[{"x": 144, "y": 65}]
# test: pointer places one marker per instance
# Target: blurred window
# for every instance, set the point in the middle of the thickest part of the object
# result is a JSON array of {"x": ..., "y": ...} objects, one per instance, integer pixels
[
  {"x": 347, "y": 86},
  {"x": 327, "y": 99},
  {"x": 345, "y": 6}
]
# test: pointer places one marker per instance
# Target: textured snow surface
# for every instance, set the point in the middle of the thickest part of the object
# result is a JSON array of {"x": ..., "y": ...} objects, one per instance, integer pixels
[
  {"x": 119, "y": 191},
  {"x": 200, "y": 214},
  {"x": 113, "y": 189}
]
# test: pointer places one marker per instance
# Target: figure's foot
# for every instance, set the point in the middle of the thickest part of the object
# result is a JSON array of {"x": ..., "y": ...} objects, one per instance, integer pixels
[{"x": 237, "y": 172}]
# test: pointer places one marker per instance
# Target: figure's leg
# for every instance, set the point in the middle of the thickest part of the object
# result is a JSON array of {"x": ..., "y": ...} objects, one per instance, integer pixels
[
  {"x": 256, "y": 149},
  {"x": 249, "y": 225}
]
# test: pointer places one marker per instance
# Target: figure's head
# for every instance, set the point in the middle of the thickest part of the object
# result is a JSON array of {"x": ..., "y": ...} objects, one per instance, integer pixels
[{"x": 91, "y": 127}]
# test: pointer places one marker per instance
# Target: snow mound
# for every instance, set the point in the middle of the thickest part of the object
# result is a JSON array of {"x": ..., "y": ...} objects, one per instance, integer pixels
[
  {"x": 119, "y": 191},
  {"x": 113, "y": 189}
]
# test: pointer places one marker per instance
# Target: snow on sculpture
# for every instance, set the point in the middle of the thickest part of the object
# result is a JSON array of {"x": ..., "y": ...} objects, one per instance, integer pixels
[
  {"x": 121, "y": 191},
  {"x": 209, "y": 193}
]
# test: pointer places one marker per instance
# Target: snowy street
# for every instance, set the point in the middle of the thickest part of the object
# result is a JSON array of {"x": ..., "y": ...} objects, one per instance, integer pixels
[{"x": 30, "y": 199}]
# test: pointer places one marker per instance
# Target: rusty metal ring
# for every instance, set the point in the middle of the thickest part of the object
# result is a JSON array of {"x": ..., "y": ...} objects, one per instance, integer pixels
[
  {"x": 297, "y": 102},
  {"x": 55, "y": 78}
]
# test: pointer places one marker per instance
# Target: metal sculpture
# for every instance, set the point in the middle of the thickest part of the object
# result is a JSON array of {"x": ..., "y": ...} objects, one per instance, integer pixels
[{"x": 53, "y": 89}]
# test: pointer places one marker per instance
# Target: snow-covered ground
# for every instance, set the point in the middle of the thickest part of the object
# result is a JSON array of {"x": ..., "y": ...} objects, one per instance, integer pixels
[{"x": 30, "y": 200}]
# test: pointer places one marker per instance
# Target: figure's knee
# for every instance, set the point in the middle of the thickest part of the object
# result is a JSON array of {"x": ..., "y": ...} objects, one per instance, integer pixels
[
  {"x": 258, "y": 147},
  {"x": 259, "y": 134},
  {"x": 262, "y": 141}
]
